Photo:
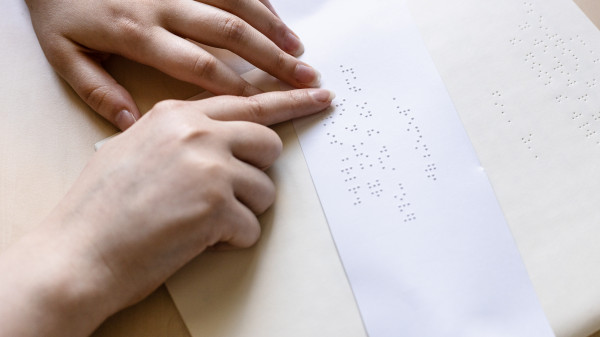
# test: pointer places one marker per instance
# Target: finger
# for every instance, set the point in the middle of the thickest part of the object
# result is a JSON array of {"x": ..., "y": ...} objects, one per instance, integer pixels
[
  {"x": 252, "y": 187},
  {"x": 262, "y": 16},
  {"x": 243, "y": 229},
  {"x": 97, "y": 88},
  {"x": 268, "y": 108},
  {"x": 267, "y": 4},
  {"x": 218, "y": 28},
  {"x": 254, "y": 144},
  {"x": 186, "y": 61}
]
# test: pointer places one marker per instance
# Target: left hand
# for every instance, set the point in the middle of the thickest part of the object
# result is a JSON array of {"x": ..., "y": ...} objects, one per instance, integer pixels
[{"x": 77, "y": 35}]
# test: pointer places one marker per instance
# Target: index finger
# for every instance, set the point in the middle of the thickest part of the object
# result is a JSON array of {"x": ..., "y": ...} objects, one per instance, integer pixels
[{"x": 268, "y": 108}]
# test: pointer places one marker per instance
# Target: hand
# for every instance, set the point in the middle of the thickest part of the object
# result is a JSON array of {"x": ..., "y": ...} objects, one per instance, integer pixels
[
  {"x": 187, "y": 176},
  {"x": 77, "y": 35}
]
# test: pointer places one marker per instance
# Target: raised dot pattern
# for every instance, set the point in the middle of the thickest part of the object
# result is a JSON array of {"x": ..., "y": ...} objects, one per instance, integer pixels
[
  {"x": 556, "y": 61},
  {"x": 370, "y": 167}
]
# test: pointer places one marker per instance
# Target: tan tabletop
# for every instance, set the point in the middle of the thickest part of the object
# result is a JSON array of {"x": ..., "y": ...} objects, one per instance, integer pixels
[
  {"x": 592, "y": 10},
  {"x": 47, "y": 135}
]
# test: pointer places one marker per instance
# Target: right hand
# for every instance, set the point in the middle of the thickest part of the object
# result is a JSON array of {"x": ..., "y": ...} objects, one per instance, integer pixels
[{"x": 186, "y": 177}]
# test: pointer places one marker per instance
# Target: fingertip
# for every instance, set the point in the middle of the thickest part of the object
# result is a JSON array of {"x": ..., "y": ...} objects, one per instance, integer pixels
[
  {"x": 307, "y": 75},
  {"x": 292, "y": 44},
  {"x": 124, "y": 119},
  {"x": 101, "y": 91},
  {"x": 119, "y": 108},
  {"x": 322, "y": 95}
]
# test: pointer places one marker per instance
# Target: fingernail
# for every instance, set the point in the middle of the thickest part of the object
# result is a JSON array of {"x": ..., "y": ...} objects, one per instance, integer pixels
[
  {"x": 293, "y": 45},
  {"x": 322, "y": 95},
  {"x": 307, "y": 75},
  {"x": 124, "y": 119}
]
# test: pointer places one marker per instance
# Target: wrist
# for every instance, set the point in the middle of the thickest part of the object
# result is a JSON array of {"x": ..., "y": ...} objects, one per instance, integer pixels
[{"x": 47, "y": 287}]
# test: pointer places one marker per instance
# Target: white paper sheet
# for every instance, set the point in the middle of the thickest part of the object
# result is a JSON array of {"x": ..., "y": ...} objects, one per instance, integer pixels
[
  {"x": 416, "y": 223},
  {"x": 525, "y": 78}
]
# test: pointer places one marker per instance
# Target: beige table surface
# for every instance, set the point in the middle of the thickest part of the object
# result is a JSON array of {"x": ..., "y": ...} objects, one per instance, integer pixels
[
  {"x": 46, "y": 137},
  {"x": 592, "y": 9}
]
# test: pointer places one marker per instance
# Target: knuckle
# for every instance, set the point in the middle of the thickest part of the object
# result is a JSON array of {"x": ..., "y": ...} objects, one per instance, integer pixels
[
  {"x": 165, "y": 107},
  {"x": 216, "y": 198},
  {"x": 247, "y": 90},
  {"x": 255, "y": 108},
  {"x": 127, "y": 25},
  {"x": 205, "y": 67},
  {"x": 281, "y": 60},
  {"x": 217, "y": 194},
  {"x": 233, "y": 29},
  {"x": 298, "y": 98},
  {"x": 132, "y": 30},
  {"x": 276, "y": 27},
  {"x": 96, "y": 96},
  {"x": 168, "y": 116},
  {"x": 55, "y": 48}
]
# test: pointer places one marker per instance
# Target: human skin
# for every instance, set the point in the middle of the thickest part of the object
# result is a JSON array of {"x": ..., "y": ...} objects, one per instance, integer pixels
[
  {"x": 187, "y": 176},
  {"x": 77, "y": 35}
]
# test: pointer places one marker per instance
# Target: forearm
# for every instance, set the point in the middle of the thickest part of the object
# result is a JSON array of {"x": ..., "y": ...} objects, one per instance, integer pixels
[{"x": 45, "y": 292}]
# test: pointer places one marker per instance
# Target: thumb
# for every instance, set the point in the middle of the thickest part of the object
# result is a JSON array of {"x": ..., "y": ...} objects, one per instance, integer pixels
[{"x": 99, "y": 89}]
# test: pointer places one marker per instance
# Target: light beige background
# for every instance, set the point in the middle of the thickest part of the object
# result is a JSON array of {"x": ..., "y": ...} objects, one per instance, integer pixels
[
  {"x": 592, "y": 9},
  {"x": 46, "y": 137}
]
